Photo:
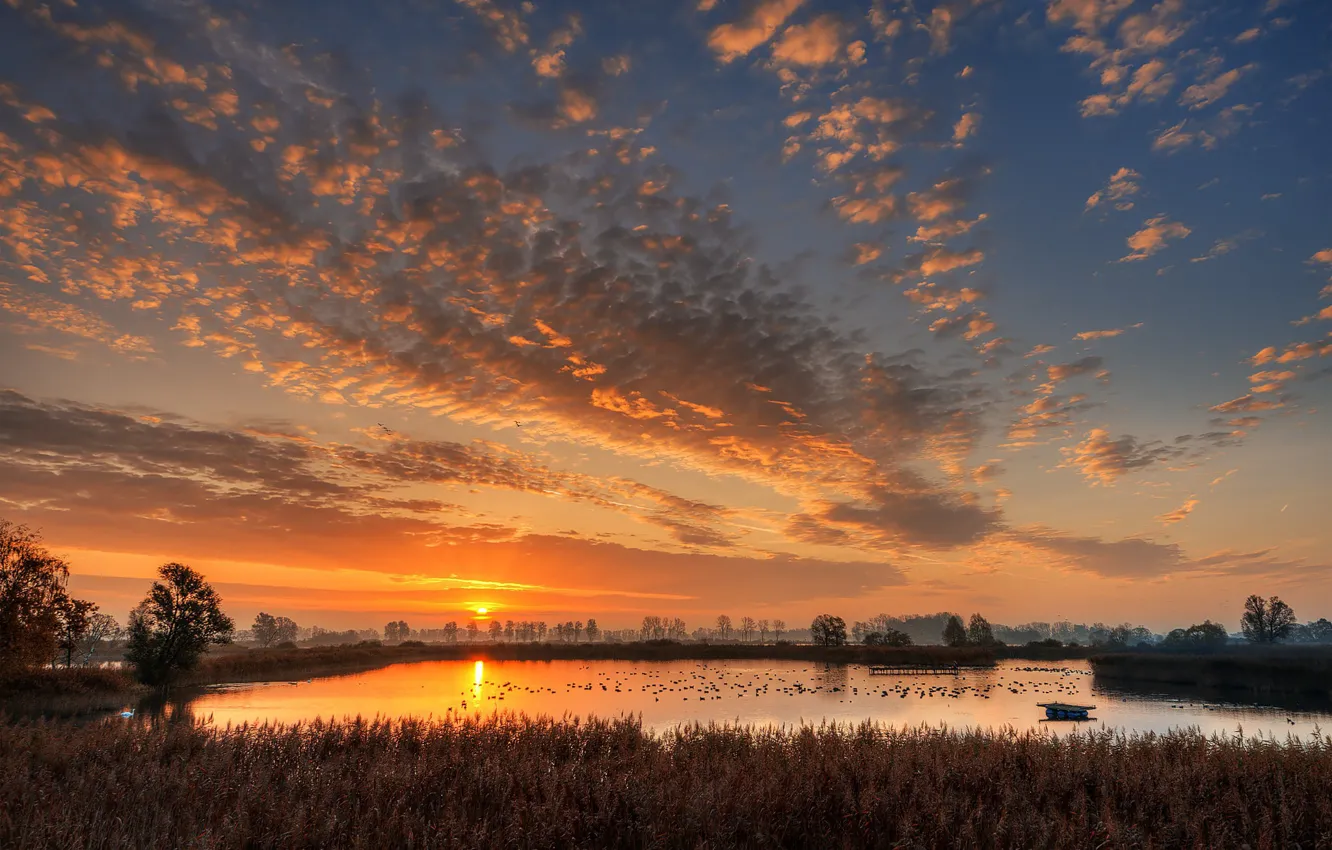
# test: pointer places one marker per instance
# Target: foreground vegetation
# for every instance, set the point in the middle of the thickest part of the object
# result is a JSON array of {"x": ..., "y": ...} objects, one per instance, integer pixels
[{"x": 516, "y": 782}]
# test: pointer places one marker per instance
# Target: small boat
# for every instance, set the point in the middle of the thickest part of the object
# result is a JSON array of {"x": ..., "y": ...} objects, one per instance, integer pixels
[{"x": 1065, "y": 710}]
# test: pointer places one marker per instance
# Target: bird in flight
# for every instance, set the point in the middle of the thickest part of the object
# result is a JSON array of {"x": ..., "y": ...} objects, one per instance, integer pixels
[
  {"x": 387, "y": 429},
  {"x": 517, "y": 424}
]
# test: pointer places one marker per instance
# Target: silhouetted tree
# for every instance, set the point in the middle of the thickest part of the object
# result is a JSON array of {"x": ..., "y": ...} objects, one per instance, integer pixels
[
  {"x": 778, "y": 626},
  {"x": 496, "y": 630},
  {"x": 285, "y": 629},
  {"x": 891, "y": 637},
  {"x": 1320, "y": 630},
  {"x": 954, "y": 634},
  {"x": 101, "y": 627},
  {"x": 265, "y": 629},
  {"x": 1204, "y": 635},
  {"x": 170, "y": 629},
  {"x": 979, "y": 631},
  {"x": 763, "y": 631},
  {"x": 473, "y": 632},
  {"x": 747, "y": 627},
  {"x": 827, "y": 630},
  {"x": 32, "y": 589},
  {"x": 391, "y": 631},
  {"x": 723, "y": 626},
  {"x": 75, "y": 616},
  {"x": 592, "y": 631},
  {"x": 451, "y": 631},
  {"x": 1266, "y": 621}
]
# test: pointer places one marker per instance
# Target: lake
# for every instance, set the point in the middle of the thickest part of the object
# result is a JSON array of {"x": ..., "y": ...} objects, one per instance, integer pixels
[{"x": 666, "y": 694}]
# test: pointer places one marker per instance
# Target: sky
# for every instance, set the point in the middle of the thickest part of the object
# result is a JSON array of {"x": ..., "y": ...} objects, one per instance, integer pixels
[{"x": 685, "y": 307}]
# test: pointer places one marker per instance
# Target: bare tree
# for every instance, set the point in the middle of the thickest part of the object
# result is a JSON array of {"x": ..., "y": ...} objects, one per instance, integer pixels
[
  {"x": 747, "y": 628},
  {"x": 778, "y": 626},
  {"x": 285, "y": 629},
  {"x": 763, "y": 631},
  {"x": 101, "y": 627},
  {"x": 723, "y": 626}
]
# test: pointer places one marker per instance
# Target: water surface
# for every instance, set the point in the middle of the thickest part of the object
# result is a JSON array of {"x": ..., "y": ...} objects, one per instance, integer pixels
[{"x": 666, "y": 694}]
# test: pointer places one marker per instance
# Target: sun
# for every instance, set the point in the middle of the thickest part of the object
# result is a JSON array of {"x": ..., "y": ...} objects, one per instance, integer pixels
[{"x": 482, "y": 610}]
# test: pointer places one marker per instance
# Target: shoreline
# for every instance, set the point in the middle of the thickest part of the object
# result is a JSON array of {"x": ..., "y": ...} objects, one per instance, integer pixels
[{"x": 81, "y": 691}]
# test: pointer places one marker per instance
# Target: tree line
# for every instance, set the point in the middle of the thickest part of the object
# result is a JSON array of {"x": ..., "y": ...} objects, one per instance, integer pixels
[{"x": 41, "y": 624}]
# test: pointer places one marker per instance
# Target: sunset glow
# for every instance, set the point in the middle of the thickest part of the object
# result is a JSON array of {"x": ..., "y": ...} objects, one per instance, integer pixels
[{"x": 682, "y": 309}]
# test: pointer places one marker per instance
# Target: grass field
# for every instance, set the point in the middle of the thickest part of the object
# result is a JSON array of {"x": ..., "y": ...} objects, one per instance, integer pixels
[{"x": 515, "y": 782}]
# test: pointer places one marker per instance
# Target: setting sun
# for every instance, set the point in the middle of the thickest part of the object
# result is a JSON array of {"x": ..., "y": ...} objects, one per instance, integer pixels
[{"x": 482, "y": 610}]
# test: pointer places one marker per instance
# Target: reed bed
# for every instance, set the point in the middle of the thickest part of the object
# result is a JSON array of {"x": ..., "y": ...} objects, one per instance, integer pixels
[
  {"x": 1275, "y": 670},
  {"x": 509, "y": 781},
  {"x": 66, "y": 692}
]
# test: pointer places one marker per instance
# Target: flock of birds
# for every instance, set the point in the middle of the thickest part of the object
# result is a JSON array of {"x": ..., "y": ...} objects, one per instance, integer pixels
[{"x": 710, "y": 683}]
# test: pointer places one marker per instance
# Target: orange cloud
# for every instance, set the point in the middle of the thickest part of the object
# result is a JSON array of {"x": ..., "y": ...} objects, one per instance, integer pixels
[
  {"x": 1119, "y": 191},
  {"x": 1105, "y": 334},
  {"x": 731, "y": 41},
  {"x": 1180, "y": 513},
  {"x": 1155, "y": 235},
  {"x": 816, "y": 43}
]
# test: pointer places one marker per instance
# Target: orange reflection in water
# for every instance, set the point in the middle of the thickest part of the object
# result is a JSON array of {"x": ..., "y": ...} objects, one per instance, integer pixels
[{"x": 666, "y": 694}]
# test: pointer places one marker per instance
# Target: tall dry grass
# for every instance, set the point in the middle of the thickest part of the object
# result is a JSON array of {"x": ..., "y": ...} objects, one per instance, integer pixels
[{"x": 516, "y": 782}]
